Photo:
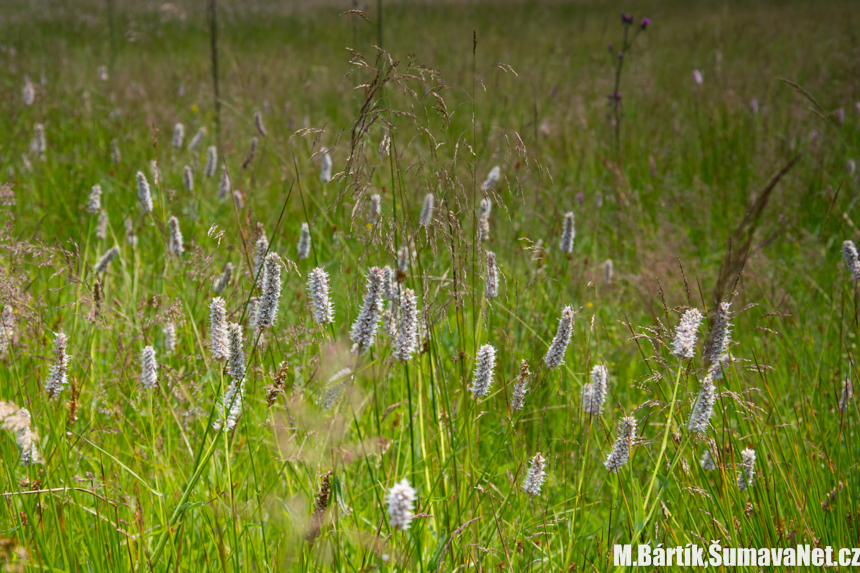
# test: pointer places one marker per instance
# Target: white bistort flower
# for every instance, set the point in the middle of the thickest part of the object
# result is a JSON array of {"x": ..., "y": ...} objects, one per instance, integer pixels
[
  {"x": 484, "y": 365},
  {"x": 365, "y": 325},
  {"x": 407, "y": 328},
  {"x": 178, "y": 135},
  {"x": 567, "y": 234},
  {"x": 325, "y": 166},
  {"x": 427, "y": 210},
  {"x": 103, "y": 262},
  {"x": 267, "y": 310},
  {"x": 621, "y": 449},
  {"x": 218, "y": 342},
  {"x": 143, "y": 192},
  {"x": 304, "y": 246},
  {"x": 211, "y": 161},
  {"x": 148, "y": 368},
  {"x": 594, "y": 393},
  {"x": 684, "y": 345},
  {"x": 94, "y": 201},
  {"x": 318, "y": 288},
  {"x": 555, "y": 353},
  {"x": 492, "y": 178},
  {"x": 174, "y": 239},
  {"x": 535, "y": 476},
  {"x": 58, "y": 374},
  {"x": 491, "y": 289},
  {"x": 746, "y": 475},
  {"x": 400, "y": 502},
  {"x": 521, "y": 386}
]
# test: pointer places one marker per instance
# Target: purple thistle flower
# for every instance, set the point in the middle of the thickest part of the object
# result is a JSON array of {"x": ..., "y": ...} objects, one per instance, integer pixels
[{"x": 644, "y": 23}]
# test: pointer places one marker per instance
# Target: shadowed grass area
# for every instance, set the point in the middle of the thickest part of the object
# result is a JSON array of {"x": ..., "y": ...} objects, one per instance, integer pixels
[{"x": 708, "y": 198}]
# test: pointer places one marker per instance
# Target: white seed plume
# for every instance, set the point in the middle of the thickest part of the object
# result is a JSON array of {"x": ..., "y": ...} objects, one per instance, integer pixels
[
  {"x": 403, "y": 258},
  {"x": 94, "y": 202},
  {"x": 103, "y": 262},
  {"x": 267, "y": 311},
  {"x": 130, "y": 236},
  {"x": 325, "y": 166},
  {"x": 148, "y": 368},
  {"x": 224, "y": 279},
  {"x": 567, "y": 234},
  {"x": 197, "y": 139},
  {"x": 594, "y": 393},
  {"x": 719, "y": 339},
  {"x": 102, "y": 225},
  {"x": 318, "y": 287},
  {"x": 521, "y": 386},
  {"x": 178, "y": 135},
  {"x": 174, "y": 241},
  {"x": 187, "y": 178},
  {"x": 334, "y": 388},
  {"x": 211, "y": 161},
  {"x": 156, "y": 172},
  {"x": 218, "y": 342},
  {"x": 427, "y": 210},
  {"x": 844, "y": 398},
  {"x": 555, "y": 354},
  {"x": 535, "y": 476},
  {"x": 235, "y": 352},
  {"x": 169, "y": 337},
  {"x": 29, "y": 91},
  {"x": 400, "y": 502},
  {"x": 375, "y": 208},
  {"x": 491, "y": 288},
  {"x": 364, "y": 328},
  {"x": 484, "y": 365},
  {"x": 703, "y": 409},
  {"x": 40, "y": 146},
  {"x": 492, "y": 178},
  {"x": 608, "y": 270},
  {"x": 143, "y": 192},
  {"x": 58, "y": 374},
  {"x": 224, "y": 188},
  {"x": 258, "y": 123},
  {"x": 407, "y": 331},
  {"x": 304, "y": 246},
  {"x": 684, "y": 345},
  {"x": 260, "y": 249},
  {"x": 746, "y": 475},
  {"x": 621, "y": 449},
  {"x": 849, "y": 253}
]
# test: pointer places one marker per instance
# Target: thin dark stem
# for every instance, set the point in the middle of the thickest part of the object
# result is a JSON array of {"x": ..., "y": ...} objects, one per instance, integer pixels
[{"x": 213, "y": 49}]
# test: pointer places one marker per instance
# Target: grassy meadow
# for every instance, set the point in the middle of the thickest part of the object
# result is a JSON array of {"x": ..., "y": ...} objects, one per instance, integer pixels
[{"x": 738, "y": 188}]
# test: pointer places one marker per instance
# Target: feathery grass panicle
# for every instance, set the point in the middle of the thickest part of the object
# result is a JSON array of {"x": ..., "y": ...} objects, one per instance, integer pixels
[
  {"x": 320, "y": 504},
  {"x": 169, "y": 337},
  {"x": 304, "y": 246},
  {"x": 235, "y": 353},
  {"x": 224, "y": 188},
  {"x": 491, "y": 289},
  {"x": 211, "y": 161},
  {"x": 492, "y": 178},
  {"x": 594, "y": 392},
  {"x": 252, "y": 150},
  {"x": 261, "y": 247},
  {"x": 621, "y": 449},
  {"x": 334, "y": 388},
  {"x": 267, "y": 311},
  {"x": 174, "y": 240},
  {"x": 103, "y": 262},
  {"x": 536, "y": 475},
  {"x": 568, "y": 234},
  {"x": 407, "y": 331},
  {"x": 197, "y": 139},
  {"x": 845, "y": 397},
  {"x": 58, "y": 374},
  {"x": 427, "y": 210},
  {"x": 485, "y": 363},
  {"x": 318, "y": 289},
  {"x": 187, "y": 178},
  {"x": 849, "y": 253},
  {"x": 325, "y": 165},
  {"x": 178, "y": 135},
  {"x": 555, "y": 354},
  {"x": 94, "y": 201},
  {"x": 156, "y": 172},
  {"x": 130, "y": 235},
  {"x": 258, "y": 123},
  {"x": 364, "y": 328},
  {"x": 223, "y": 280},
  {"x": 148, "y": 368},
  {"x": 521, "y": 386},
  {"x": 684, "y": 345},
  {"x": 403, "y": 258},
  {"x": 746, "y": 475},
  {"x": 375, "y": 208},
  {"x": 218, "y": 341},
  {"x": 719, "y": 339},
  {"x": 278, "y": 383},
  {"x": 384, "y": 145},
  {"x": 102, "y": 225},
  {"x": 400, "y": 502},
  {"x": 143, "y": 192},
  {"x": 703, "y": 409}
]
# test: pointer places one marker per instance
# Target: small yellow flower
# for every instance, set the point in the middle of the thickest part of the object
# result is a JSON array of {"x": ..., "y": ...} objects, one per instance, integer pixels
[
  {"x": 194, "y": 108},
  {"x": 589, "y": 305}
]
